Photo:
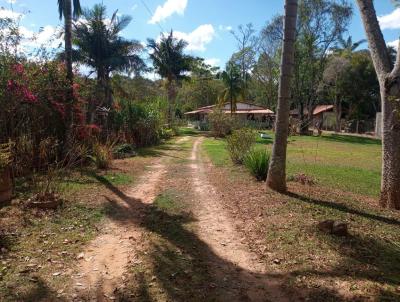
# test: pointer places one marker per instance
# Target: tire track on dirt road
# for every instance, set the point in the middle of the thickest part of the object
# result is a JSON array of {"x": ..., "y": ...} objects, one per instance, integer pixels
[
  {"x": 246, "y": 277},
  {"x": 103, "y": 262}
]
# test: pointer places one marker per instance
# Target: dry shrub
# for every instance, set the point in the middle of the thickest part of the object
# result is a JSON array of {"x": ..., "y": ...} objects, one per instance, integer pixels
[
  {"x": 48, "y": 182},
  {"x": 47, "y": 186},
  {"x": 102, "y": 155},
  {"x": 5, "y": 155}
]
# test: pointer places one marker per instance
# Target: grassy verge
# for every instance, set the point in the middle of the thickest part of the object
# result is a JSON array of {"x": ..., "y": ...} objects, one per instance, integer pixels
[
  {"x": 363, "y": 266},
  {"x": 188, "y": 131},
  {"x": 38, "y": 247},
  {"x": 342, "y": 162}
]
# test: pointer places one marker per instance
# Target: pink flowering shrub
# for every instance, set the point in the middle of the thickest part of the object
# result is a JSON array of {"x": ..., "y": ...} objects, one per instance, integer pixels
[{"x": 34, "y": 104}]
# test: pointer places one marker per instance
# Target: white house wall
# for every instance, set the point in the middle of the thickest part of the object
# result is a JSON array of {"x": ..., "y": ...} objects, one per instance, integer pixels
[{"x": 243, "y": 106}]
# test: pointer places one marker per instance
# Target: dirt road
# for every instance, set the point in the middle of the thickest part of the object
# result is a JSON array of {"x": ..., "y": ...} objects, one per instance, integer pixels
[{"x": 238, "y": 273}]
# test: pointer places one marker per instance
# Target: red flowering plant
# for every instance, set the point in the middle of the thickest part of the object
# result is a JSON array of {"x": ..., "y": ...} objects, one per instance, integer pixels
[
  {"x": 18, "y": 85},
  {"x": 33, "y": 98}
]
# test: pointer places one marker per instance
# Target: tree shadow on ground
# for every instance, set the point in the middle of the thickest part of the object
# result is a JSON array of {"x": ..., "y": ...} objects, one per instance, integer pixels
[
  {"x": 362, "y": 256},
  {"x": 191, "y": 132},
  {"x": 160, "y": 151},
  {"x": 38, "y": 291},
  {"x": 343, "y": 208},
  {"x": 7, "y": 241},
  {"x": 186, "y": 268},
  {"x": 351, "y": 139}
]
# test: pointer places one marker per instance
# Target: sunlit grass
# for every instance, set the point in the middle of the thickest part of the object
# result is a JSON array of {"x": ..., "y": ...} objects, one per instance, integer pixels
[{"x": 343, "y": 162}]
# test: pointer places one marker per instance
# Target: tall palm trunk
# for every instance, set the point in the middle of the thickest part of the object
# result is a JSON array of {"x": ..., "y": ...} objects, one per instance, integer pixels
[
  {"x": 171, "y": 100},
  {"x": 276, "y": 179},
  {"x": 104, "y": 85},
  {"x": 389, "y": 82},
  {"x": 69, "y": 118}
]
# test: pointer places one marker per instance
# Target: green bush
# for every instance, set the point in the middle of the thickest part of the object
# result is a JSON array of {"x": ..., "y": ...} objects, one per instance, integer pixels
[
  {"x": 167, "y": 133},
  {"x": 141, "y": 124},
  {"x": 124, "y": 151},
  {"x": 257, "y": 162},
  {"x": 204, "y": 126},
  {"x": 221, "y": 124},
  {"x": 239, "y": 143}
]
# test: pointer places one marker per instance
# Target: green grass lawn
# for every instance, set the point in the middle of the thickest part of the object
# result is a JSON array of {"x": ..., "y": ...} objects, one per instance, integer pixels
[{"x": 343, "y": 162}]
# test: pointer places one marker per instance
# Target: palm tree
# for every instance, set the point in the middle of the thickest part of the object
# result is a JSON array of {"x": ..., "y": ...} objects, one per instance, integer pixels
[
  {"x": 276, "y": 179},
  {"x": 100, "y": 46},
  {"x": 170, "y": 63},
  {"x": 347, "y": 47},
  {"x": 65, "y": 11},
  {"x": 233, "y": 82}
]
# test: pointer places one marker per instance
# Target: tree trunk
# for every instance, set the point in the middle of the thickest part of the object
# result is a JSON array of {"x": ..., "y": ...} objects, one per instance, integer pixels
[
  {"x": 276, "y": 179},
  {"x": 390, "y": 94},
  {"x": 338, "y": 114},
  {"x": 390, "y": 184},
  {"x": 303, "y": 120},
  {"x": 108, "y": 90},
  {"x": 171, "y": 101},
  {"x": 69, "y": 117}
]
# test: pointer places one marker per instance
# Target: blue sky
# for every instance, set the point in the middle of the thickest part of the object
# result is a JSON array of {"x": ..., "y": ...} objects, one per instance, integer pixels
[{"x": 205, "y": 24}]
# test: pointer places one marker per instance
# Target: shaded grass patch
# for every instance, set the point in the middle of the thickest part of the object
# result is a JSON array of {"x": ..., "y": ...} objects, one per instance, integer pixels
[{"x": 35, "y": 265}]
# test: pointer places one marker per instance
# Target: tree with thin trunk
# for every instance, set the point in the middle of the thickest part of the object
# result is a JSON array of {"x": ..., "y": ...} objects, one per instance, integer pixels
[
  {"x": 276, "y": 179},
  {"x": 99, "y": 45},
  {"x": 334, "y": 84},
  {"x": 234, "y": 89},
  {"x": 65, "y": 11},
  {"x": 389, "y": 82},
  {"x": 172, "y": 64},
  {"x": 245, "y": 57}
]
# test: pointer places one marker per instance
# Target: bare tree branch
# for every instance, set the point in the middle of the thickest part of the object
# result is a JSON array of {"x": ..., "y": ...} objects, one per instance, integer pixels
[{"x": 377, "y": 45}]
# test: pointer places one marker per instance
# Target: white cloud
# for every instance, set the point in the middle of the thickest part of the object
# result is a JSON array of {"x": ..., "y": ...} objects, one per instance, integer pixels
[
  {"x": 225, "y": 27},
  {"x": 213, "y": 62},
  {"x": 390, "y": 21},
  {"x": 48, "y": 37},
  {"x": 134, "y": 7},
  {"x": 12, "y": 1},
  {"x": 199, "y": 38},
  {"x": 6, "y": 13},
  {"x": 394, "y": 44},
  {"x": 169, "y": 8}
]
